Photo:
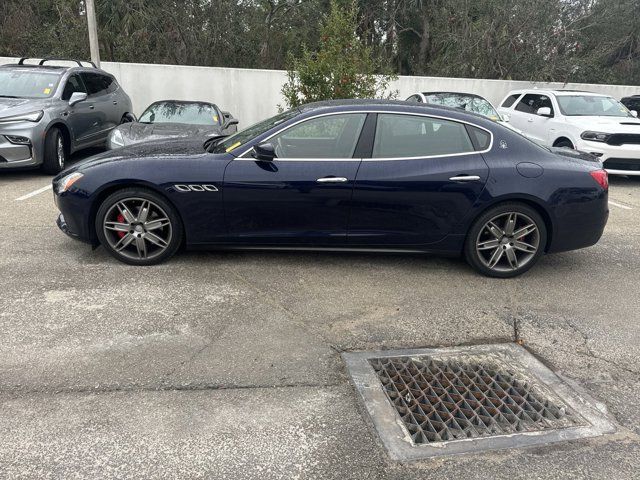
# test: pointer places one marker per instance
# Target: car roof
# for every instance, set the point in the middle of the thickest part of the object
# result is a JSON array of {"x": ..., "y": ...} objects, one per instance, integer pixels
[
  {"x": 453, "y": 93},
  {"x": 556, "y": 92},
  {"x": 169, "y": 100},
  {"x": 60, "y": 69},
  {"x": 373, "y": 104}
]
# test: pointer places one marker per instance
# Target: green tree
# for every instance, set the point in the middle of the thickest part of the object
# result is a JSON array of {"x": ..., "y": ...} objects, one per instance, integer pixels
[{"x": 342, "y": 67}]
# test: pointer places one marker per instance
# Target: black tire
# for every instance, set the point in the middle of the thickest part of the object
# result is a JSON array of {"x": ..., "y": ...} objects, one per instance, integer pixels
[
  {"x": 112, "y": 234},
  {"x": 564, "y": 144},
  {"x": 56, "y": 151},
  {"x": 483, "y": 241}
]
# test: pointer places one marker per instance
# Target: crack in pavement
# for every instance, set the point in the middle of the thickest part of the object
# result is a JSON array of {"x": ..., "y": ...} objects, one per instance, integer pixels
[
  {"x": 19, "y": 393},
  {"x": 590, "y": 353}
]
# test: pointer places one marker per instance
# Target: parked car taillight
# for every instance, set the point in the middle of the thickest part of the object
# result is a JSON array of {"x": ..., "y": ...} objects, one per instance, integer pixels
[{"x": 601, "y": 177}]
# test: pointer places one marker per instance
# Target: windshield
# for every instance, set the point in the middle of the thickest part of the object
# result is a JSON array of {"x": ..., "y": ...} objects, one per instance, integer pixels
[
  {"x": 470, "y": 103},
  {"x": 23, "y": 83},
  {"x": 243, "y": 136},
  {"x": 588, "y": 105},
  {"x": 181, "y": 112}
]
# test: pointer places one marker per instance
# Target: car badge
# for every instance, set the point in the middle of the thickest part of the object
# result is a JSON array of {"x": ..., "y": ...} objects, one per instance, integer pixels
[{"x": 503, "y": 145}]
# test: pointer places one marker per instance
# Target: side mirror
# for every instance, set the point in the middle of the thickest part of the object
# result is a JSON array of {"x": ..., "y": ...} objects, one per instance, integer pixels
[
  {"x": 544, "y": 112},
  {"x": 265, "y": 152},
  {"x": 230, "y": 121},
  {"x": 634, "y": 113},
  {"x": 505, "y": 118},
  {"x": 77, "y": 97}
]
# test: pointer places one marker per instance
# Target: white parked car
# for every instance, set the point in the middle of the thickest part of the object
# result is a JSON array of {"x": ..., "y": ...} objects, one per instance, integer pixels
[
  {"x": 584, "y": 121},
  {"x": 469, "y": 102}
]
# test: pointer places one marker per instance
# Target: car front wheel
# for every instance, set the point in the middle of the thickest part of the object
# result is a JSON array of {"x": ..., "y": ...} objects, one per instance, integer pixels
[
  {"x": 138, "y": 227},
  {"x": 506, "y": 241},
  {"x": 55, "y": 152}
]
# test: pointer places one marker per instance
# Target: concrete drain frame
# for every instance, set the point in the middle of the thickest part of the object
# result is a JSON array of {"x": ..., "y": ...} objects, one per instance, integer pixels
[{"x": 409, "y": 428}]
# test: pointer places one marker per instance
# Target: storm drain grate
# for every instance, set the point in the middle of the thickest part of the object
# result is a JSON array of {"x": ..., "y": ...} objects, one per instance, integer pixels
[
  {"x": 449, "y": 400},
  {"x": 442, "y": 401}
]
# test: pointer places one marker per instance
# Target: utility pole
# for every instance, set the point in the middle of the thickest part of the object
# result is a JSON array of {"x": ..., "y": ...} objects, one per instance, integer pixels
[{"x": 93, "y": 32}]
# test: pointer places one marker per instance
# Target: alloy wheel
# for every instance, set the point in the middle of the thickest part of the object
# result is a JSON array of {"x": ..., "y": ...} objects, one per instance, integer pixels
[
  {"x": 137, "y": 228},
  {"x": 60, "y": 151},
  {"x": 508, "y": 242}
]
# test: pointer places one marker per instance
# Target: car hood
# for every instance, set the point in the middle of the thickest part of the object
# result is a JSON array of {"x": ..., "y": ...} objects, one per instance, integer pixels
[
  {"x": 606, "y": 124},
  {"x": 166, "y": 149},
  {"x": 16, "y": 106},
  {"x": 141, "y": 132}
]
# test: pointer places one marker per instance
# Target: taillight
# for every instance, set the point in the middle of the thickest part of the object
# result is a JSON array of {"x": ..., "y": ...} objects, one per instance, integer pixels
[{"x": 601, "y": 177}]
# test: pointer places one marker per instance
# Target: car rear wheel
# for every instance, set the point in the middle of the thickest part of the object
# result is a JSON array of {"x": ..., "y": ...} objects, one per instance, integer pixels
[
  {"x": 564, "y": 144},
  {"x": 55, "y": 152},
  {"x": 506, "y": 241},
  {"x": 138, "y": 227}
]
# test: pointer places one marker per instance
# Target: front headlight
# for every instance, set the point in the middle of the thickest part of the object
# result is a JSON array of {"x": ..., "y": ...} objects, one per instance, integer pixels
[
  {"x": 596, "y": 136},
  {"x": 65, "y": 182},
  {"x": 25, "y": 117},
  {"x": 116, "y": 139}
]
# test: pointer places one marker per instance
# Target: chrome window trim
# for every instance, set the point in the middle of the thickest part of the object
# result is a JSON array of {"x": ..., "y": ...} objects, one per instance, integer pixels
[{"x": 392, "y": 112}]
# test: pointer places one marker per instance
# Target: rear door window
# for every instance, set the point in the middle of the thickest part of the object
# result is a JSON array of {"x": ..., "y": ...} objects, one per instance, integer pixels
[
  {"x": 409, "y": 136},
  {"x": 96, "y": 84}
]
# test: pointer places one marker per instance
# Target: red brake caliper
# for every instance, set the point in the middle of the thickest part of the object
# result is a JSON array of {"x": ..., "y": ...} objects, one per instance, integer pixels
[{"x": 120, "y": 220}]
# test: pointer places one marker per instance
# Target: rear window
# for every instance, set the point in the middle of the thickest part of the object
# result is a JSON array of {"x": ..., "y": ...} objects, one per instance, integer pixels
[
  {"x": 510, "y": 100},
  {"x": 406, "y": 136}
]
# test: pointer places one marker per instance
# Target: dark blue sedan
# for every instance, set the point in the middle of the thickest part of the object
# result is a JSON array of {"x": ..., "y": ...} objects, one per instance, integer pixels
[{"x": 343, "y": 175}]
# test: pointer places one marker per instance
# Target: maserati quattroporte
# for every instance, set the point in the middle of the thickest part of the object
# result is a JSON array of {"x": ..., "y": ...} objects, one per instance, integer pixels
[{"x": 343, "y": 175}]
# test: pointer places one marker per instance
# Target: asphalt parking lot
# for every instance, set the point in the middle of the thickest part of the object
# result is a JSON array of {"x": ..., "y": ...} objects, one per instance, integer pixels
[{"x": 227, "y": 365}]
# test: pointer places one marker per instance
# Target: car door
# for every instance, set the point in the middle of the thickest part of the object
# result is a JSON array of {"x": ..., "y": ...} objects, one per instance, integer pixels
[
  {"x": 302, "y": 196},
  {"x": 420, "y": 183},
  {"x": 78, "y": 116},
  {"x": 99, "y": 105},
  {"x": 112, "y": 107}
]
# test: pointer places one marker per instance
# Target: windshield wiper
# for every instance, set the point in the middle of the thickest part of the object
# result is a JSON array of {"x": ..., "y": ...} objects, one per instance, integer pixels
[
  {"x": 8, "y": 96},
  {"x": 212, "y": 142}
]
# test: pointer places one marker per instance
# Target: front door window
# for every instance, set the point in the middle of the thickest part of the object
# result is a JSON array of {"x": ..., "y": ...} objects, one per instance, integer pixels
[{"x": 331, "y": 136}]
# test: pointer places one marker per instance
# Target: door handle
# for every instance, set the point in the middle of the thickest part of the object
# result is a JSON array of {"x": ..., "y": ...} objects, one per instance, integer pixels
[
  {"x": 332, "y": 180},
  {"x": 530, "y": 120},
  {"x": 465, "y": 178},
  {"x": 91, "y": 107},
  {"x": 115, "y": 103}
]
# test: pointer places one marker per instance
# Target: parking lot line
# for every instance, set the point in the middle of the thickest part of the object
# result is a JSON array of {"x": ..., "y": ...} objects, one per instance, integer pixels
[
  {"x": 619, "y": 205},
  {"x": 34, "y": 193}
]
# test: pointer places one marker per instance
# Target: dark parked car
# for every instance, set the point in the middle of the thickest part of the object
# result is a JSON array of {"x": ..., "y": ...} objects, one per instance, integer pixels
[
  {"x": 49, "y": 111},
  {"x": 632, "y": 103},
  {"x": 174, "y": 119},
  {"x": 364, "y": 175}
]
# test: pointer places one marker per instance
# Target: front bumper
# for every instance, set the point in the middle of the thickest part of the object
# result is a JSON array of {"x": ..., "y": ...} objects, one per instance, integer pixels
[
  {"x": 62, "y": 225},
  {"x": 617, "y": 159},
  {"x": 23, "y": 153}
]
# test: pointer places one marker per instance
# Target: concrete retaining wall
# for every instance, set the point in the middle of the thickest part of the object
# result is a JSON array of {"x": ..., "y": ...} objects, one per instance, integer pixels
[{"x": 252, "y": 95}]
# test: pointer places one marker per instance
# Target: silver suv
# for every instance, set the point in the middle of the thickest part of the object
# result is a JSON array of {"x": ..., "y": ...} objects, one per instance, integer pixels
[{"x": 48, "y": 112}]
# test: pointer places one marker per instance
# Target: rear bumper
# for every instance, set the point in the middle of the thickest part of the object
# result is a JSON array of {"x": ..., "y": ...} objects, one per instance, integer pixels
[{"x": 581, "y": 225}]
